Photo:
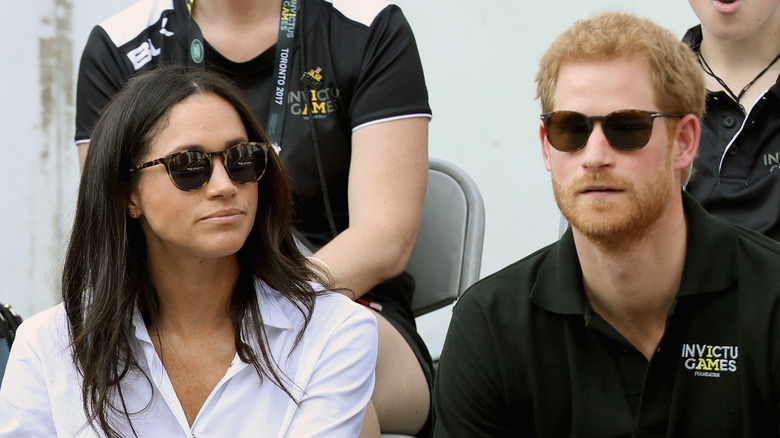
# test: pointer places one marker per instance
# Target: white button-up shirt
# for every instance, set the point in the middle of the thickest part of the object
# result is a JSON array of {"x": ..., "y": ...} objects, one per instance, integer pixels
[{"x": 331, "y": 373}]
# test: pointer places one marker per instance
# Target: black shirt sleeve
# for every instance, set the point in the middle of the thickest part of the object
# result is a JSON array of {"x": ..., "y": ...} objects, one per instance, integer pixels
[
  {"x": 391, "y": 81},
  {"x": 468, "y": 395},
  {"x": 100, "y": 77}
]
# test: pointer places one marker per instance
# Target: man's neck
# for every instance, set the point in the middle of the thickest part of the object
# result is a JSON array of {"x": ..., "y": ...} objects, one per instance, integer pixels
[{"x": 633, "y": 286}]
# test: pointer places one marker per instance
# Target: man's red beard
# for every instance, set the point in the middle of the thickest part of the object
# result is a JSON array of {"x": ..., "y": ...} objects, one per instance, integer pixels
[{"x": 618, "y": 219}]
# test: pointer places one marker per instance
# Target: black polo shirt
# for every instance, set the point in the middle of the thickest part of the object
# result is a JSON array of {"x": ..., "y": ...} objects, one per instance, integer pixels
[
  {"x": 737, "y": 174},
  {"x": 525, "y": 355}
]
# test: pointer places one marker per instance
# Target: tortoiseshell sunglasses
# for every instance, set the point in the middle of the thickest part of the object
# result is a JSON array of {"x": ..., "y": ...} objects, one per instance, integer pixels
[{"x": 191, "y": 169}]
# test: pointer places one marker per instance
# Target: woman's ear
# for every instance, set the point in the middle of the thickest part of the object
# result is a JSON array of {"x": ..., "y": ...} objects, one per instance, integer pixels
[{"x": 134, "y": 205}]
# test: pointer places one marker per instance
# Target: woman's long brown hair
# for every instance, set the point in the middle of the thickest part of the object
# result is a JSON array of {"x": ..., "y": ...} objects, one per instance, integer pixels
[{"x": 105, "y": 274}]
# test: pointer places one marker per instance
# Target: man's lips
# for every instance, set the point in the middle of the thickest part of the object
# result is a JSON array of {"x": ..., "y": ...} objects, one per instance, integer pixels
[{"x": 599, "y": 189}]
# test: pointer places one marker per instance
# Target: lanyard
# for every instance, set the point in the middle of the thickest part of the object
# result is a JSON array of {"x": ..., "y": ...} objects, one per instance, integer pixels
[
  {"x": 284, "y": 46},
  {"x": 195, "y": 38}
]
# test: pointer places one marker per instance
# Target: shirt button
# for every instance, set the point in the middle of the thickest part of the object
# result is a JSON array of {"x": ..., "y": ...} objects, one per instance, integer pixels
[
  {"x": 733, "y": 150},
  {"x": 729, "y": 121}
]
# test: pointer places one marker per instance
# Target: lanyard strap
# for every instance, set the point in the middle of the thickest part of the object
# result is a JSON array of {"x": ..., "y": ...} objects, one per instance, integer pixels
[
  {"x": 284, "y": 46},
  {"x": 195, "y": 39}
]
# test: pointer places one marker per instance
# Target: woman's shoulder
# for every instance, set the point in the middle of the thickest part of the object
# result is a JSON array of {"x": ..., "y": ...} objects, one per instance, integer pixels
[
  {"x": 331, "y": 309},
  {"x": 332, "y": 303},
  {"x": 45, "y": 330}
]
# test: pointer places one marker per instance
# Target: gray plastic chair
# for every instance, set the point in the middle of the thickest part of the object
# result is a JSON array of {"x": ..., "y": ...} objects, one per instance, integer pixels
[{"x": 447, "y": 255}]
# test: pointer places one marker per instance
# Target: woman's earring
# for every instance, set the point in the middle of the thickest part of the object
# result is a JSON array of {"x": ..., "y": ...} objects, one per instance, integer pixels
[{"x": 134, "y": 215}]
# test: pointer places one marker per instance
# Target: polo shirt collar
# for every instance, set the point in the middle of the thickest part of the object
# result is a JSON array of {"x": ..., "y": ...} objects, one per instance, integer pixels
[
  {"x": 710, "y": 264},
  {"x": 693, "y": 38}
]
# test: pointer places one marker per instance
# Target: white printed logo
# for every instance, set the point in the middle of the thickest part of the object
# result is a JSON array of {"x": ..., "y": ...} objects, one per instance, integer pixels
[
  {"x": 144, "y": 53},
  {"x": 710, "y": 360},
  {"x": 165, "y": 31},
  {"x": 141, "y": 55}
]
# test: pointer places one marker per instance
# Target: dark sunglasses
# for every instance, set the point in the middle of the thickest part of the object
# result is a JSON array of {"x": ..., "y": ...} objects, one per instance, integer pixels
[
  {"x": 191, "y": 169},
  {"x": 626, "y": 130}
]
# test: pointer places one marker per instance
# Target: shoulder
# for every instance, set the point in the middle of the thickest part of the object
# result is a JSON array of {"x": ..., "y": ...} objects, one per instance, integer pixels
[
  {"x": 126, "y": 25},
  {"x": 331, "y": 310},
  {"x": 360, "y": 11},
  {"x": 757, "y": 251},
  {"x": 45, "y": 333},
  {"x": 334, "y": 311},
  {"x": 513, "y": 283}
]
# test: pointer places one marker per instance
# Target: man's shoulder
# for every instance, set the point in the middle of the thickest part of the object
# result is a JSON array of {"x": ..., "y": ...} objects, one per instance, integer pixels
[
  {"x": 513, "y": 283},
  {"x": 757, "y": 250}
]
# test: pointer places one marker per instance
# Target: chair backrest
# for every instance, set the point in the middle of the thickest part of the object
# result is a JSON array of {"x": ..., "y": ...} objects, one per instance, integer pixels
[
  {"x": 9, "y": 321},
  {"x": 447, "y": 255}
]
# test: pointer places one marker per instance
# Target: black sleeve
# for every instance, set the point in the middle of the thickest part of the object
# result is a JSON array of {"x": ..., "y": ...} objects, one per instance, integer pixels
[
  {"x": 468, "y": 394},
  {"x": 100, "y": 76},
  {"x": 391, "y": 81}
]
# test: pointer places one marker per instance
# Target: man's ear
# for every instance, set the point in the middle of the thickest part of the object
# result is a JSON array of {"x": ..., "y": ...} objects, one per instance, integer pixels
[
  {"x": 686, "y": 141},
  {"x": 545, "y": 146}
]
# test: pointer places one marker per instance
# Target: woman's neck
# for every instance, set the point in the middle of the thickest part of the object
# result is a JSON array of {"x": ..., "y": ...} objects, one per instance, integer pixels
[{"x": 194, "y": 294}]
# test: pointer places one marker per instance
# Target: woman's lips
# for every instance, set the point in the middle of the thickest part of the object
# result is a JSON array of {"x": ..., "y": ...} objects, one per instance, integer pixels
[{"x": 225, "y": 216}]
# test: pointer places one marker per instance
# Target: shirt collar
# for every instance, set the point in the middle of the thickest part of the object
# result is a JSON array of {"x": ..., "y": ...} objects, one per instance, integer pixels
[
  {"x": 710, "y": 264},
  {"x": 693, "y": 38},
  {"x": 274, "y": 308}
]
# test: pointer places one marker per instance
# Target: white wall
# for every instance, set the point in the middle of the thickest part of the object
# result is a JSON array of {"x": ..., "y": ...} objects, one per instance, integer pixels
[{"x": 480, "y": 59}]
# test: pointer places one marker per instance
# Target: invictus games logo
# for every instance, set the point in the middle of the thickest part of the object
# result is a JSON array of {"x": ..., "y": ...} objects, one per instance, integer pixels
[
  {"x": 289, "y": 16},
  {"x": 196, "y": 51},
  {"x": 317, "y": 103},
  {"x": 772, "y": 161},
  {"x": 710, "y": 360}
]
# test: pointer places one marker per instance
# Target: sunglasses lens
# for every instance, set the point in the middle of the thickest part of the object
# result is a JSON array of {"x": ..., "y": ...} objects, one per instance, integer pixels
[
  {"x": 190, "y": 170},
  {"x": 246, "y": 162},
  {"x": 628, "y": 130},
  {"x": 567, "y": 130}
]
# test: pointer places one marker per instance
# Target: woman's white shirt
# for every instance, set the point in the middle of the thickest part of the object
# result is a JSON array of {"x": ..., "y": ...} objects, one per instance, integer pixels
[{"x": 331, "y": 373}]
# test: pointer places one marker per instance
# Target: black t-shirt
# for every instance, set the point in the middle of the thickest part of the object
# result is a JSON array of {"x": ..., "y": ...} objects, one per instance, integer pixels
[
  {"x": 367, "y": 56},
  {"x": 737, "y": 169},
  {"x": 526, "y": 356}
]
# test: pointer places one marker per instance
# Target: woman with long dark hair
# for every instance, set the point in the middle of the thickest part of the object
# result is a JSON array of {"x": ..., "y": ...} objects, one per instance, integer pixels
[
  {"x": 187, "y": 308},
  {"x": 339, "y": 86}
]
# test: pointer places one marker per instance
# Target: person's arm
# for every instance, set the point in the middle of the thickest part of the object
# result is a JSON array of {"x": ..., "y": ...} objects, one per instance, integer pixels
[
  {"x": 387, "y": 180},
  {"x": 82, "y": 150},
  {"x": 335, "y": 397},
  {"x": 101, "y": 74},
  {"x": 468, "y": 399},
  {"x": 25, "y": 407}
]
